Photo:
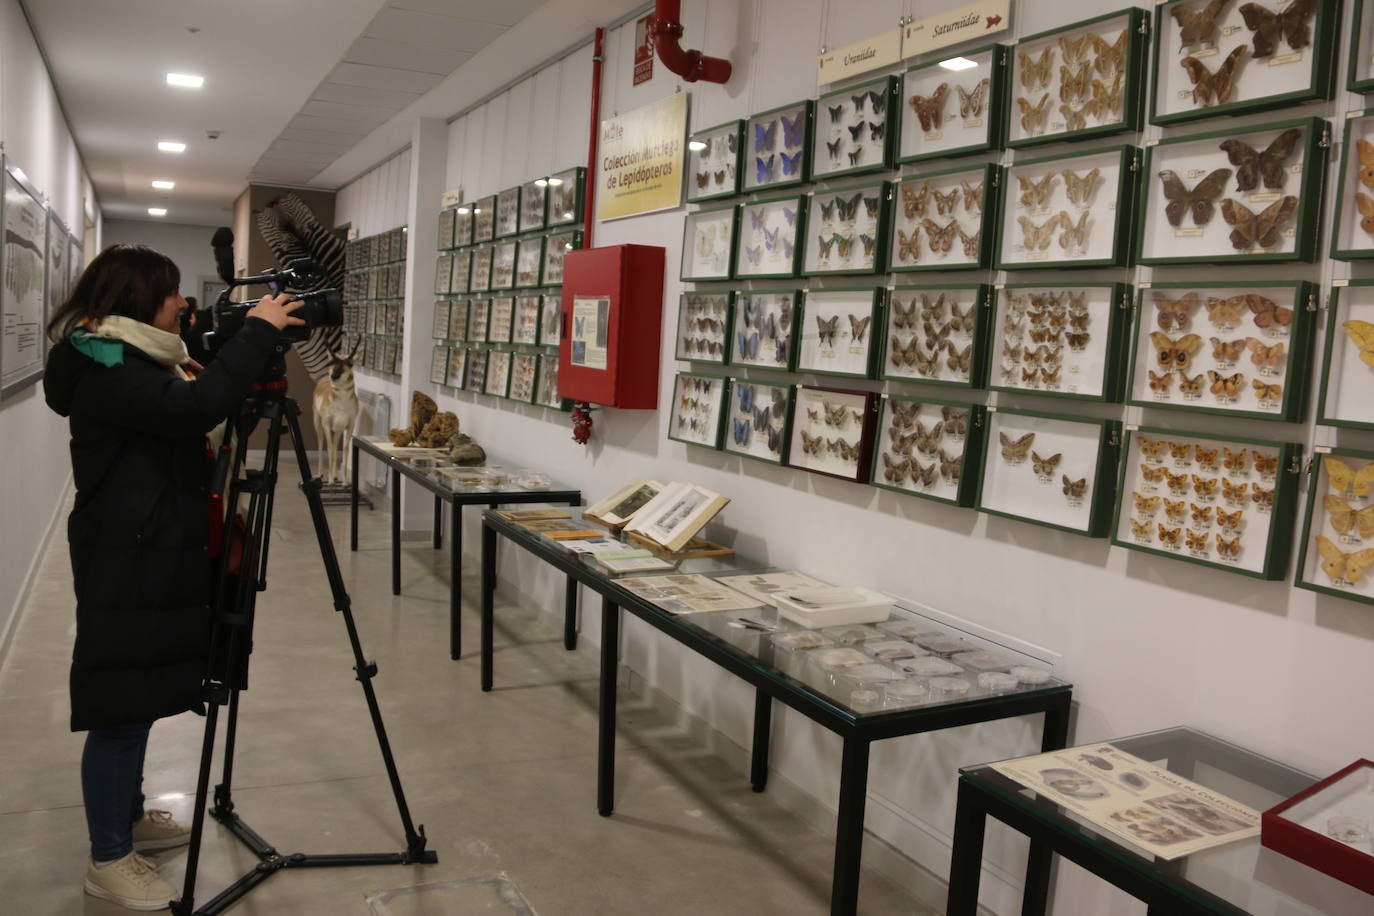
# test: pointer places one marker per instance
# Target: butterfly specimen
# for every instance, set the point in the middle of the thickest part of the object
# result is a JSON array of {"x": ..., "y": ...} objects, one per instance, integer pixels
[
  {"x": 1346, "y": 518},
  {"x": 1073, "y": 489},
  {"x": 1175, "y": 510},
  {"x": 1178, "y": 483},
  {"x": 1253, "y": 166},
  {"x": 1014, "y": 450},
  {"x": 901, "y": 444},
  {"x": 740, "y": 431},
  {"x": 1290, "y": 23},
  {"x": 1152, "y": 449},
  {"x": 958, "y": 360},
  {"x": 1145, "y": 505},
  {"x": 1075, "y": 235},
  {"x": 1038, "y": 238},
  {"x": 1365, "y": 204},
  {"x": 970, "y": 242},
  {"x": 1044, "y": 467},
  {"x": 914, "y": 201},
  {"x": 765, "y": 138},
  {"x": 1035, "y": 192},
  {"x": 876, "y": 130},
  {"x": 1263, "y": 228},
  {"x": 928, "y": 441},
  {"x": 1197, "y": 26},
  {"x": 1263, "y": 355},
  {"x": 1226, "y": 385},
  {"x": 763, "y": 169},
  {"x": 1175, "y": 354},
  {"x": 1197, "y": 542},
  {"x": 956, "y": 421},
  {"x": 1179, "y": 451},
  {"x": 791, "y": 165},
  {"x": 930, "y": 109},
  {"x": 1141, "y": 531},
  {"x": 951, "y": 468},
  {"x": 1080, "y": 188},
  {"x": 1171, "y": 314},
  {"x": 903, "y": 317},
  {"x": 903, "y": 415},
  {"x": 878, "y": 101},
  {"x": 1110, "y": 57},
  {"x": 1202, "y": 515},
  {"x": 844, "y": 244},
  {"x": 1213, "y": 86},
  {"x": 1033, "y": 117},
  {"x": 1342, "y": 566},
  {"x": 812, "y": 445},
  {"x": 1205, "y": 457},
  {"x": 792, "y": 130},
  {"x": 1361, "y": 334},
  {"x": 1206, "y": 489},
  {"x": 1035, "y": 71},
  {"x": 1073, "y": 82},
  {"x": 1236, "y": 462},
  {"x": 702, "y": 179},
  {"x": 1230, "y": 521},
  {"x": 1228, "y": 548},
  {"x": 1106, "y": 98},
  {"x": 973, "y": 196},
  {"x": 924, "y": 475},
  {"x": 896, "y": 471},
  {"x": 1154, "y": 475},
  {"x": 946, "y": 202},
  {"x": 826, "y": 328},
  {"x": 858, "y": 327},
  {"x": 836, "y": 112},
  {"x": 1345, "y": 479},
  {"x": 848, "y": 209},
  {"x": 1169, "y": 536},
  {"x": 1365, "y": 150},
  {"x": 961, "y": 321},
  {"x": 940, "y": 238},
  {"x": 1268, "y": 313},
  {"x": 1200, "y": 201},
  {"x": 869, "y": 242},
  {"x": 837, "y": 416},
  {"x": 1262, "y": 497},
  {"x": 846, "y": 450},
  {"x": 971, "y": 103},
  {"x": 826, "y": 243}
]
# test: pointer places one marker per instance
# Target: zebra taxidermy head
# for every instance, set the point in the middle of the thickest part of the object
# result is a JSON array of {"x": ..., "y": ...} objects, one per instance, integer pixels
[{"x": 290, "y": 229}]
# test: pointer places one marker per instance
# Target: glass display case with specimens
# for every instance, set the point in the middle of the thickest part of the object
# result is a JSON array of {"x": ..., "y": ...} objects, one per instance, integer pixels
[
  {"x": 525, "y": 327},
  {"x": 1068, "y": 210},
  {"x": 524, "y": 372},
  {"x": 778, "y": 144},
  {"x": 556, "y": 247},
  {"x": 854, "y": 131},
  {"x": 443, "y": 273},
  {"x": 1236, "y": 348},
  {"x": 438, "y": 364},
  {"x": 1224, "y": 502},
  {"x": 703, "y": 326},
  {"x": 551, "y": 318},
  {"x": 1223, "y": 58},
  {"x": 567, "y": 197},
  {"x": 935, "y": 334},
  {"x": 462, "y": 226},
  {"x": 457, "y": 367},
  {"x": 708, "y": 244},
  {"x": 529, "y": 262},
  {"x": 923, "y": 447},
  {"x": 507, "y": 212},
  {"x": 1240, "y": 194},
  {"x": 458, "y": 319},
  {"x": 479, "y": 314},
  {"x": 945, "y": 220},
  {"x": 768, "y": 232},
  {"x": 846, "y": 230},
  {"x": 1060, "y": 340},
  {"x": 501, "y": 320},
  {"x": 1050, "y": 469},
  {"x": 446, "y": 228},
  {"x": 946, "y": 112},
  {"x": 477, "y": 370},
  {"x": 498, "y": 373},
  {"x": 833, "y": 431},
  {"x": 460, "y": 273},
  {"x": 1347, "y": 387},
  {"x": 837, "y": 332},
  {"x": 546, "y": 391},
  {"x": 503, "y": 265},
  {"x": 1352, "y": 236},
  {"x": 480, "y": 280},
  {"x": 759, "y": 417},
  {"x": 1337, "y": 548},
  {"x": 534, "y": 197},
  {"x": 697, "y": 416},
  {"x": 1083, "y": 80},
  {"x": 442, "y": 308},
  {"x": 713, "y": 161},
  {"x": 763, "y": 328},
  {"x": 484, "y": 219}
]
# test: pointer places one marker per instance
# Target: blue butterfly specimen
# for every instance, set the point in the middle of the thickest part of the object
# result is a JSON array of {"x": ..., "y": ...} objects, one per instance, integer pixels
[
  {"x": 792, "y": 130},
  {"x": 856, "y": 129},
  {"x": 780, "y": 357},
  {"x": 740, "y": 430},
  {"x": 765, "y": 169},
  {"x": 791, "y": 165},
  {"x": 754, "y": 254},
  {"x": 790, "y": 215},
  {"x": 875, "y": 130},
  {"x": 788, "y": 248},
  {"x": 849, "y": 209},
  {"x": 765, "y": 137},
  {"x": 756, "y": 219},
  {"x": 748, "y": 344},
  {"x": 835, "y": 112},
  {"x": 746, "y": 398},
  {"x": 770, "y": 240}
]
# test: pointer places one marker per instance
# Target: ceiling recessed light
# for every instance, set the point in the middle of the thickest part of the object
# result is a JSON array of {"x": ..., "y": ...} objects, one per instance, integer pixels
[
  {"x": 171, "y": 146},
  {"x": 185, "y": 80},
  {"x": 157, "y": 211},
  {"x": 163, "y": 185},
  {"x": 958, "y": 63},
  {"x": 696, "y": 146}
]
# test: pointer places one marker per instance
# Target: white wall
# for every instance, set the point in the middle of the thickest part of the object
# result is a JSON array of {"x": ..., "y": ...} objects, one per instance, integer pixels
[
  {"x": 188, "y": 246},
  {"x": 33, "y": 440}
]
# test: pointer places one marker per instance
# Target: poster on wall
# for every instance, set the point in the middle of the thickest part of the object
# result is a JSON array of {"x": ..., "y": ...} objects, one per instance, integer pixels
[
  {"x": 590, "y": 325},
  {"x": 58, "y": 273},
  {"x": 642, "y": 155},
  {"x": 22, "y": 293}
]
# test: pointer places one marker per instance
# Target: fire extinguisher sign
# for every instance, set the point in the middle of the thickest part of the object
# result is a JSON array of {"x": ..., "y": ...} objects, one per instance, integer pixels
[{"x": 644, "y": 50}]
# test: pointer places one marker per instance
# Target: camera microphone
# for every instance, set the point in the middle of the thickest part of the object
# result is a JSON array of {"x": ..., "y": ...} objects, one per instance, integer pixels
[{"x": 222, "y": 243}]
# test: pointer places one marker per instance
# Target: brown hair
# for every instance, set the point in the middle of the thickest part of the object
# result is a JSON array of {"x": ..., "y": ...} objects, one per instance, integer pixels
[{"x": 128, "y": 280}]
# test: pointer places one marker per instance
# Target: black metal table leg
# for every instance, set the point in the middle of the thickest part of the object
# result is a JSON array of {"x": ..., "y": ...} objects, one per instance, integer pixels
[
  {"x": 455, "y": 579},
  {"x": 966, "y": 862},
  {"x": 849, "y": 827},
  {"x": 353, "y": 511},
  {"x": 758, "y": 760},
  {"x": 1040, "y": 860},
  {"x": 605, "y": 737},
  {"x": 570, "y": 615},
  {"x": 395, "y": 532},
  {"x": 438, "y": 522},
  {"x": 488, "y": 601}
]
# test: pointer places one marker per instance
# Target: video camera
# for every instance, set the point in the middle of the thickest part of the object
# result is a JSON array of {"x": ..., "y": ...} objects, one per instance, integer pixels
[{"x": 320, "y": 308}]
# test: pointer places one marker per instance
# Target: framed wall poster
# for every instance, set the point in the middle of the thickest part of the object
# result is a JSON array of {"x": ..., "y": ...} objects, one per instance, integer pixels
[
  {"x": 484, "y": 219},
  {"x": 1064, "y": 341},
  {"x": 479, "y": 314},
  {"x": 1218, "y": 501},
  {"x": 443, "y": 274},
  {"x": 555, "y": 247},
  {"x": 480, "y": 281},
  {"x": 763, "y": 328},
  {"x": 75, "y": 262},
  {"x": 461, "y": 273},
  {"x": 524, "y": 372},
  {"x": 1226, "y": 59},
  {"x": 567, "y": 197},
  {"x": 832, "y": 432},
  {"x": 458, "y": 319},
  {"x": 1083, "y": 80},
  {"x": 462, "y": 226},
  {"x": 1352, "y": 236},
  {"x": 507, "y": 212},
  {"x": 713, "y": 161},
  {"x": 846, "y": 228},
  {"x": 837, "y": 332},
  {"x": 697, "y": 412},
  {"x": 923, "y": 447},
  {"x": 758, "y": 421},
  {"x": 498, "y": 373},
  {"x": 935, "y": 334},
  {"x": 1337, "y": 546},
  {"x": 945, "y": 220},
  {"x": 438, "y": 365},
  {"x": 703, "y": 326},
  {"x": 855, "y": 131},
  {"x": 779, "y": 147},
  {"x": 1237, "y": 348},
  {"x": 547, "y": 391},
  {"x": 58, "y": 272},
  {"x": 1050, "y": 469},
  {"x": 442, "y": 308},
  {"x": 550, "y": 319},
  {"x": 503, "y": 265},
  {"x": 766, "y": 238},
  {"x": 23, "y": 266},
  {"x": 1240, "y": 194},
  {"x": 457, "y": 367},
  {"x": 1347, "y": 390},
  {"x": 502, "y": 319},
  {"x": 529, "y": 262},
  {"x": 533, "y": 200},
  {"x": 1053, "y": 216},
  {"x": 525, "y": 329},
  {"x": 708, "y": 243},
  {"x": 932, "y": 92},
  {"x": 446, "y": 228}
]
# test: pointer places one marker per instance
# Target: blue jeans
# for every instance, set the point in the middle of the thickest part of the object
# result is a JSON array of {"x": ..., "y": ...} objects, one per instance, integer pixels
[{"x": 112, "y": 785}]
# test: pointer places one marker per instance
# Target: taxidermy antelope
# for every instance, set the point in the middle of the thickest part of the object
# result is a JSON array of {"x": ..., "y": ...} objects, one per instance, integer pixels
[{"x": 336, "y": 407}]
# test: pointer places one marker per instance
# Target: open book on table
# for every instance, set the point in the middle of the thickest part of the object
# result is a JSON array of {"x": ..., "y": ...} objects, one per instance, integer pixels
[
  {"x": 620, "y": 507},
  {"x": 676, "y": 515}
]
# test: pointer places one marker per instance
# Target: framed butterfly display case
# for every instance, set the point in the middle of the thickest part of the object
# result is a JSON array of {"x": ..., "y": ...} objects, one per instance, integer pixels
[
  {"x": 484, "y": 218},
  {"x": 713, "y": 161},
  {"x": 853, "y": 134},
  {"x": 458, "y": 319},
  {"x": 550, "y": 319},
  {"x": 1221, "y": 502},
  {"x": 503, "y": 265},
  {"x": 708, "y": 243},
  {"x": 698, "y": 410},
  {"x": 763, "y": 328},
  {"x": 498, "y": 373},
  {"x": 534, "y": 199},
  {"x": 1347, "y": 392},
  {"x": 945, "y": 220},
  {"x": 460, "y": 273},
  {"x": 477, "y": 370},
  {"x": 837, "y": 332},
  {"x": 1063, "y": 211},
  {"x": 443, "y": 274},
  {"x": 480, "y": 281},
  {"x": 766, "y": 244},
  {"x": 1338, "y": 529},
  {"x": 1360, "y": 67},
  {"x": 556, "y": 246},
  {"x": 502, "y": 319},
  {"x": 507, "y": 220},
  {"x": 703, "y": 326},
  {"x": 567, "y": 197},
  {"x": 1050, "y": 469},
  {"x": 524, "y": 371},
  {"x": 525, "y": 329},
  {"x": 1081, "y": 81},
  {"x": 832, "y": 432},
  {"x": 446, "y": 228},
  {"x": 462, "y": 226},
  {"x": 1243, "y": 194},
  {"x": 845, "y": 230},
  {"x": 1352, "y": 236},
  {"x": 457, "y": 367},
  {"x": 760, "y": 416},
  {"x": 438, "y": 364},
  {"x": 923, "y": 447},
  {"x": 1235, "y": 348},
  {"x": 1058, "y": 340},
  {"x": 546, "y": 391},
  {"x": 935, "y": 334},
  {"x": 529, "y": 261},
  {"x": 441, "y": 318},
  {"x": 479, "y": 314},
  {"x": 1215, "y": 57},
  {"x": 948, "y": 112},
  {"x": 779, "y": 143}
]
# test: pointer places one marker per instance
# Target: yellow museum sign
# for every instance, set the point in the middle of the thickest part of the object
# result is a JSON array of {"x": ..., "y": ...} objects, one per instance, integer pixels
[{"x": 642, "y": 153}]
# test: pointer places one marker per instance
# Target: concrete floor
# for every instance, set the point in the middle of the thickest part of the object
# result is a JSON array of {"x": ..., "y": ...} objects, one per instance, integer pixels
[{"x": 504, "y": 782}]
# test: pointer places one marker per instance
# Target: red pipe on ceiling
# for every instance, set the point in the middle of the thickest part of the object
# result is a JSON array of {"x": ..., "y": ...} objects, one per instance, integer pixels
[{"x": 690, "y": 65}]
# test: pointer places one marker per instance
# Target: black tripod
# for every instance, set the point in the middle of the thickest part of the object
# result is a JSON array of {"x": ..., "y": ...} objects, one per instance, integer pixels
[{"x": 231, "y": 644}]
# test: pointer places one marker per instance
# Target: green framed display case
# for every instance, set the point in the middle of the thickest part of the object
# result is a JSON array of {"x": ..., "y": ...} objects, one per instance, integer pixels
[
  {"x": 1347, "y": 386},
  {"x": 1078, "y": 82},
  {"x": 534, "y": 199},
  {"x": 458, "y": 318},
  {"x": 1212, "y": 326},
  {"x": 714, "y": 159},
  {"x": 1053, "y": 217},
  {"x": 697, "y": 412},
  {"x": 445, "y": 230},
  {"x": 546, "y": 391},
  {"x": 525, "y": 326},
  {"x": 767, "y": 238},
  {"x": 501, "y": 320},
  {"x": 507, "y": 218},
  {"x": 936, "y": 335},
  {"x": 708, "y": 244},
  {"x": 1177, "y": 224},
  {"x": 480, "y": 279},
  {"x": 838, "y": 328},
  {"x": 930, "y": 92},
  {"x": 928, "y": 448},
  {"x": 567, "y": 197},
  {"x": 967, "y": 198},
  {"x": 550, "y": 318},
  {"x": 476, "y": 379},
  {"x": 503, "y": 264},
  {"x": 438, "y": 364},
  {"x": 1060, "y": 340},
  {"x": 456, "y": 373},
  {"x": 1050, "y": 469},
  {"x": 758, "y": 423},
  {"x": 846, "y": 230},
  {"x": 484, "y": 219},
  {"x": 462, "y": 226},
  {"x": 703, "y": 326},
  {"x": 1359, "y": 75},
  {"x": 443, "y": 274},
  {"x": 556, "y": 246},
  {"x": 856, "y": 129},
  {"x": 442, "y": 307},
  {"x": 1202, "y": 499},
  {"x": 529, "y": 262},
  {"x": 1223, "y": 57},
  {"x": 833, "y": 432},
  {"x": 779, "y": 147},
  {"x": 1352, "y": 228},
  {"x": 763, "y": 329},
  {"x": 498, "y": 372},
  {"x": 479, "y": 315},
  {"x": 460, "y": 277},
  {"x": 1337, "y": 545},
  {"x": 524, "y": 376}
]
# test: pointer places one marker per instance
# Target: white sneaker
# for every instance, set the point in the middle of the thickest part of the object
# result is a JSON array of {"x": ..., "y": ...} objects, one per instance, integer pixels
[
  {"x": 158, "y": 830},
  {"x": 130, "y": 883}
]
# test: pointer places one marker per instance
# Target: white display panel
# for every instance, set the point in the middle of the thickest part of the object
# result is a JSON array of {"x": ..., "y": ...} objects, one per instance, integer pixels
[
  {"x": 1041, "y": 469},
  {"x": 1348, "y": 386},
  {"x": 707, "y": 242}
]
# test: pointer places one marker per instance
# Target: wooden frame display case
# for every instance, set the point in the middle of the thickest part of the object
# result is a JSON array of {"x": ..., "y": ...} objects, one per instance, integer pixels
[
  {"x": 529, "y": 262},
  {"x": 847, "y": 230},
  {"x": 550, "y": 319},
  {"x": 534, "y": 198},
  {"x": 759, "y": 419},
  {"x": 1347, "y": 389},
  {"x": 708, "y": 244},
  {"x": 936, "y": 335},
  {"x": 1203, "y": 499},
  {"x": 703, "y": 326},
  {"x": 1060, "y": 340},
  {"x": 507, "y": 220},
  {"x": 556, "y": 246},
  {"x": 714, "y": 156},
  {"x": 503, "y": 265},
  {"x": 766, "y": 238},
  {"x": 929, "y": 128},
  {"x": 524, "y": 373},
  {"x": 959, "y": 198},
  {"x": 823, "y": 422},
  {"x": 460, "y": 275},
  {"x": 484, "y": 219},
  {"x": 779, "y": 147},
  {"x": 924, "y": 447},
  {"x": 697, "y": 414},
  {"x": 830, "y": 345},
  {"x": 567, "y": 197},
  {"x": 456, "y": 373},
  {"x": 763, "y": 328},
  {"x": 856, "y": 131},
  {"x": 1352, "y": 232},
  {"x": 1337, "y": 547},
  {"x": 525, "y": 327}
]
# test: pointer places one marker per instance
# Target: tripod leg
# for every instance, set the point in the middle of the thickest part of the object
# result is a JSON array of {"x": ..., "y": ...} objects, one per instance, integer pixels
[{"x": 185, "y": 905}]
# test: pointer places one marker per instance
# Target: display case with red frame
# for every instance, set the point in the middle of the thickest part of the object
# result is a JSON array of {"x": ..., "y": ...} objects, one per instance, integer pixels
[{"x": 1327, "y": 826}]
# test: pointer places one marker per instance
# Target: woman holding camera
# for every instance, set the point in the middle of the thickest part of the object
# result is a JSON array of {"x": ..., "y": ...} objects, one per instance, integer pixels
[{"x": 138, "y": 533}]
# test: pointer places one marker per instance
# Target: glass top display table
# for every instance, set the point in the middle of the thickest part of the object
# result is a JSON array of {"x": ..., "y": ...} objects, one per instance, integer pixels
[
  {"x": 489, "y": 486},
  {"x": 769, "y": 653}
]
